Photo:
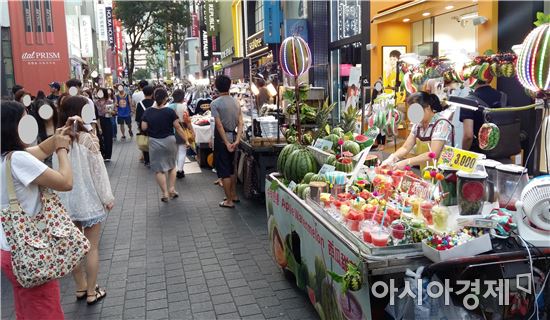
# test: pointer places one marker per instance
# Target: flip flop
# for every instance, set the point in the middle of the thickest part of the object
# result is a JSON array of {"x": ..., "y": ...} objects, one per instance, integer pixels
[
  {"x": 99, "y": 295},
  {"x": 174, "y": 195},
  {"x": 236, "y": 201},
  {"x": 223, "y": 205},
  {"x": 164, "y": 199}
]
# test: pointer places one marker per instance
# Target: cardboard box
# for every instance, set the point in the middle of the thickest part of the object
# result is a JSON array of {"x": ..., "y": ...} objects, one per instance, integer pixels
[{"x": 468, "y": 249}]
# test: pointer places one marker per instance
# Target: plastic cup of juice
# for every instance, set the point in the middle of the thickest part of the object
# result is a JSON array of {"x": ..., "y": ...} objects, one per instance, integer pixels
[
  {"x": 426, "y": 209},
  {"x": 399, "y": 231},
  {"x": 415, "y": 203},
  {"x": 440, "y": 216},
  {"x": 380, "y": 237},
  {"x": 368, "y": 227}
]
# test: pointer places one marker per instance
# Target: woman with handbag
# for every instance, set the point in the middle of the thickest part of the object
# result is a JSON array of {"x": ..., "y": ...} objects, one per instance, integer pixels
[
  {"x": 159, "y": 122},
  {"x": 27, "y": 174},
  {"x": 90, "y": 199},
  {"x": 181, "y": 110}
]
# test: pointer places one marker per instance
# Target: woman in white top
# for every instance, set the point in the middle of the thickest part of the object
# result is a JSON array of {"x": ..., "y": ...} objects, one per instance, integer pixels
[
  {"x": 89, "y": 200},
  {"x": 29, "y": 173}
]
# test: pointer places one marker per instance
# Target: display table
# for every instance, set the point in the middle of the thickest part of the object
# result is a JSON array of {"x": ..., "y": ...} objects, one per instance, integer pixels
[
  {"x": 306, "y": 241},
  {"x": 265, "y": 162}
]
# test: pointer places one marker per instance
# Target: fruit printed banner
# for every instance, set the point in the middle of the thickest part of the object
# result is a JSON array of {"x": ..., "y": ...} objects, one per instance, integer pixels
[
  {"x": 303, "y": 245},
  {"x": 459, "y": 159}
]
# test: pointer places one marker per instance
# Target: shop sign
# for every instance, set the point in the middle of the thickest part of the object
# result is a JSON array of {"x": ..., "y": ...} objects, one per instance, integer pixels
[
  {"x": 323, "y": 144},
  {"x": 110, "y": 26},
  {"x": 41, "y": 44},
  {"x": 272, "y": 21},
  {"x": 73, "y": 37},
  {"x": 458, "y": 159},
  {"x": 211, "y": 16},
  {"x": 86, "y": 43},
  {"x": 101, "y": 24},
  {"x": 417, "y": 187},
  {"x": 227, "y": 52},
  {"x": 303, "y": 245},
  {"x": 118, "y": 35},
  {"x": 195, "y": 25},
  {"x": 255, "y": 43},
  {"x": 205, "y": 44},
  {"x": 349, "y": 18},
  {"x": 296, "y": 27}
]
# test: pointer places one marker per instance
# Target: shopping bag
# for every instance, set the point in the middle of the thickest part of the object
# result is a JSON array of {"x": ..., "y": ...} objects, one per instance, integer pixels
[{"x": 142, "y": 142}]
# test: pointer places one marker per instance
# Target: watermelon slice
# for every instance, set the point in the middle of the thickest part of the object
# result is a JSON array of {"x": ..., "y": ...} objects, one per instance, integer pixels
[
  {"x": 488, "y": 136},
  {"x": 473, "y": 191}
]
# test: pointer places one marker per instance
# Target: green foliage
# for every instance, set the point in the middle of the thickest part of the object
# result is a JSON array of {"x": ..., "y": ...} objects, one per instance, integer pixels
[
  {"x": 349, "y": 118},
  {"x": 141, "y": 74},
  {"x": 152, "y": 24},
  {"x": 542, "y": 19}
]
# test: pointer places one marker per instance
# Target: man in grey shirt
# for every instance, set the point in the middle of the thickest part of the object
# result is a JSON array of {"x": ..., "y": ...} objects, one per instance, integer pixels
[{"x": 228, "y": 118}]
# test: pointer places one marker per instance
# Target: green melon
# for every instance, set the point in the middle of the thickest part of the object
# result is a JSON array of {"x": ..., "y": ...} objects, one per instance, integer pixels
[
  {"x": 331, "y": 160},
  {"x": 489, "y": 135},
  {"x": 307, "y": 177},
  {"x": 338, "y": 131},
  {"x": 318, "y": 177},
  {"x": 352, "y": 147},
  {"x": 299, "y": 163},
  {"x": 283, "y": 156},
  {"x": 305, "y": 193},
  {"x": 300, "y": 189},
  {"x": 344, "y": 165}
]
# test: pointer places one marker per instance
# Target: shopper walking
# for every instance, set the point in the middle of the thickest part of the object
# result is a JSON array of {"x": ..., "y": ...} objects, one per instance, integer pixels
[
  {"x": 89, "y": 200},
  {"x": 145, "y": 104},
  {"x": 228, "y": 119},
  {"x": 105, "y": 110},
  {"x": 139, "y": 95},
  {"x": 29, "y": 174},
  {"x": 55, "y": 92},
  {"x": 159, "y": 122},
  {"x": 181, "y": 111},
  {"x": 124, "y": 111}
]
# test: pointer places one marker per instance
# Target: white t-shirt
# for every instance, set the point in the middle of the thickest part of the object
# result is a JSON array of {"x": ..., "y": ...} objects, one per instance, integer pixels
[
  {"x": 25, "y": 168},
  {"x": 138, "y": 96}
]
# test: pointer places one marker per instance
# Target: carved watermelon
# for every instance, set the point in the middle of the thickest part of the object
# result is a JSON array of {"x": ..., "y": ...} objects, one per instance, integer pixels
[
  {"x": 488, "y": 136},
  {"x": 345, "y": 165},
  {"x": 363, "y": 141}
]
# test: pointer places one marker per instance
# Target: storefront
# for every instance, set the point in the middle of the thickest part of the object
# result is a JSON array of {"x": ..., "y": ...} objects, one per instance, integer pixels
[{"x": 261, "y": 55}]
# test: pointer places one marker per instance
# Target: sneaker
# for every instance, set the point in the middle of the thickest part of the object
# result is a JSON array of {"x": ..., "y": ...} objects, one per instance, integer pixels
[
  {"x": 131, "y": 133},
  {"x": 123, "y": 138},
  {"x": 107, "y": 160},
  {"x": 180, "y": 175}
]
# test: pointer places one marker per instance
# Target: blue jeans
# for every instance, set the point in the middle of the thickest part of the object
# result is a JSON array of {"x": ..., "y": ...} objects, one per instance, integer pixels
[{"x": 113, "y": 122}]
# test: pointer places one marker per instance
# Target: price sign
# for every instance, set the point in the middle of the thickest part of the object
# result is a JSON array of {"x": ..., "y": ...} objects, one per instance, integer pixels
[
  {"x": 323, "y": 144},
  {"x": 326, "y": 168},
  {"x": 458, "y": 159},
  {"x": 292, "y": 185}
]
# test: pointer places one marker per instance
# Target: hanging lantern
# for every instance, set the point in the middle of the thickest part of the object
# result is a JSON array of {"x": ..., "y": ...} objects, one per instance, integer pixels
[
  {"x": 533, "y": 63},
  {"x": 295, "y": 56}
]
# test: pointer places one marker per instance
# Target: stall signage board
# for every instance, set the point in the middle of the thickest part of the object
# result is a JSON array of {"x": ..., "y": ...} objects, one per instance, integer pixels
[
  {"x": 458, "y": 159},
  {"x": 292, "y": 185},
  {"x": 227, "y": 52},
  {"x": 417, "y": 187},
  {"x": 326, "y": 168},
  {"x": 255, "y": 43},
  {"x": 323, "y": 144},
  {"x": 303, "y": 245}
]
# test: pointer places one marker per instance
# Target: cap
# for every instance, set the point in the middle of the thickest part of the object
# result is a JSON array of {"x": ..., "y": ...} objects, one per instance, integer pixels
[{"x": 55, "y": 85}]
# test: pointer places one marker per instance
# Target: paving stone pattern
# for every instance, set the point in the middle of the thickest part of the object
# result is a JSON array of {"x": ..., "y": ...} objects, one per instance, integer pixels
[{"x": 188, "y": 259}]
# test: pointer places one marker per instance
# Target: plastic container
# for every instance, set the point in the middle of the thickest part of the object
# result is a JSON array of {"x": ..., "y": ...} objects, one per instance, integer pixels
[
  {"x": 448, "y": 185},
  {"x": 399, "y": 232},
  {"x": 491, "y": 186},
  {"x": 511, "y": 179},
  {"x": 440, "y": 215},
  {"x": 415, "y": 204},
  {"x": 368, "y": 227},
  {"x": 426, "y": 209},
  {"x": 380, "y": 236},
  {"x": 471, "y": 192}
]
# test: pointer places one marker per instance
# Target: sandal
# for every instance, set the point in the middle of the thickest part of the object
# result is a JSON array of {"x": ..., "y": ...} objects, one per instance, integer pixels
[
  {"x": 81, "y": 297},
  {"x": 174, "y": 195},
  {"x": 223, "y": 205},
  {"x": 164, "y": 199},
  {"x": 99, "y": 295},
  {"x": 236, "y": 200}
]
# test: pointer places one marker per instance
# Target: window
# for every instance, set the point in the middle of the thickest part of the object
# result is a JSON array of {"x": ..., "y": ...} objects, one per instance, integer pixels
[
  {"x": 258, "y": 16},
  {"x": 346, "y": 18}
]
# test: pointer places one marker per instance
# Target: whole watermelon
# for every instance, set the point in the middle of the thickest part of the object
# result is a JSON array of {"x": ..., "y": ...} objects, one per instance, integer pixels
[
  {"x": 298, "y": 164},
  {"x": 307, "y": 177},
  {"x": 338, "y": 131},
  {"x": 283, "y": 156},
  {"x": 331, "y": 160},
  {"x": 352, "y": 147},
  {"x": 334, "y": 139},
  {"x": 300, "y": 189},
  {"x": 318, "y": 177}
]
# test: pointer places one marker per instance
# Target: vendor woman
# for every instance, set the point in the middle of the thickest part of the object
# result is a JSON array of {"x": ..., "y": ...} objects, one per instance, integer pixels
[{"x": 430, "y": 135}]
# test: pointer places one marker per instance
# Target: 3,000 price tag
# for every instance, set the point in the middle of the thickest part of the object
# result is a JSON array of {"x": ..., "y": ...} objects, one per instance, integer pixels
[{"x": 458, "y": 159}]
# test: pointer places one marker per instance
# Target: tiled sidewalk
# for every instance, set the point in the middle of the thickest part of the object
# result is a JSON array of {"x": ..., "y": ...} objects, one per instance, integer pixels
[{"x": 188, "y": 259}]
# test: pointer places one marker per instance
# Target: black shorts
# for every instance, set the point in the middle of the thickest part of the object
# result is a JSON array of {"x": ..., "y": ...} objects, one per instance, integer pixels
[
  {"x": 122, "y": 120},
  {"x": 223, "y": 159}
]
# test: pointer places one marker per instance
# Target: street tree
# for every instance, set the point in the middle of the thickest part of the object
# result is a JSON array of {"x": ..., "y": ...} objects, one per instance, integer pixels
[{"x": 144, "y": 20}]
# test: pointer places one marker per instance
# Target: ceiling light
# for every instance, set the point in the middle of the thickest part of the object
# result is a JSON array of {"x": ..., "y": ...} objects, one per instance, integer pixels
[
  {"x": 425, "y": 14},
  {"x": 468, "y": 16},
  {"x": 406, "y": 20},
  {"x": 449, "y": 7}
]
